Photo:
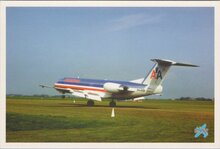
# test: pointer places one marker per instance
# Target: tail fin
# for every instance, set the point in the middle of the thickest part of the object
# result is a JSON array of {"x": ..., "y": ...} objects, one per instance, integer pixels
[{"x": 159, "y": 71}]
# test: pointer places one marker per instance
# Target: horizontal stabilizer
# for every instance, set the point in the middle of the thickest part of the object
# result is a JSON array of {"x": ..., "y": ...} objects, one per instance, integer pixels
[
  {"x": 169, "y": 63},
  {"x": 184, "y": 64}
]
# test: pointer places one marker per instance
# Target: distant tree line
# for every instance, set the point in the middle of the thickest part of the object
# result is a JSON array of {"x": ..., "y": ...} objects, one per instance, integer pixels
[
  {"x": 198, "y": 98},
  {"x": 37, "y": 95},
  {"x": 21, "y": 95}
]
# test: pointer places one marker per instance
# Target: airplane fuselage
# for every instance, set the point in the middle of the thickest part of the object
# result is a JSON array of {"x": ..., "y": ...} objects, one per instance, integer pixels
[{"x": 98, "y": 88}]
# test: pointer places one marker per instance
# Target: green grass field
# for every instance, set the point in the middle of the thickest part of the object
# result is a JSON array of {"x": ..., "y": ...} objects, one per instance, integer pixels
[{"x": 61, "y": 120}]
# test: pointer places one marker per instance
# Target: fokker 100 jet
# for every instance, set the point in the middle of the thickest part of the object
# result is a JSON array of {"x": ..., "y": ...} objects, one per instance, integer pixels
[{"x": 97, "y": 90}]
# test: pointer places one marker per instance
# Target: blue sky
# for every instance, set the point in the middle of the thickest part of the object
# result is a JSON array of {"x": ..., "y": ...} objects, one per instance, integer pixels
[{"x": 46, "y": 44}]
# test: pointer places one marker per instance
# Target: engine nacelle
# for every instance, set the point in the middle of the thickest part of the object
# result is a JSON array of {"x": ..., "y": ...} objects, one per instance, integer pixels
[{"x": 113, "y": 87}]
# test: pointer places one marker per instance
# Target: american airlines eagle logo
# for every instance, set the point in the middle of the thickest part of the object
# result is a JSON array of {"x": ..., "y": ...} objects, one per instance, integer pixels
[{"x": 156, "y": 74}]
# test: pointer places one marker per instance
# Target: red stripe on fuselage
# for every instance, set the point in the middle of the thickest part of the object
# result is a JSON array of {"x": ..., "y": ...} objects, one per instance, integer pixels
[{"x": 80, "y": 88}]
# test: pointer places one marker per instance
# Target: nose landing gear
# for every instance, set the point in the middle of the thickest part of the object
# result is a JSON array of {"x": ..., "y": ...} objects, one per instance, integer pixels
[{"x": 90, "y": 103}]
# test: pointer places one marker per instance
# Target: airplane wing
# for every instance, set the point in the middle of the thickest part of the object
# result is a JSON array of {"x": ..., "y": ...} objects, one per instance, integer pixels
[
  {"x": 63, "y": 90},
  {"x": 85, "y": 94},
  {"x": 77, "y": 93}
]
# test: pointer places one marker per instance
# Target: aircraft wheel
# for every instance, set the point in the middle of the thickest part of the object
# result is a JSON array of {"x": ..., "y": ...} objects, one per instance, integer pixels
[
  {"x": 63, "y": 96},
  {"x": 112, "y": 104},
  {"x": 90, "y": 103}
]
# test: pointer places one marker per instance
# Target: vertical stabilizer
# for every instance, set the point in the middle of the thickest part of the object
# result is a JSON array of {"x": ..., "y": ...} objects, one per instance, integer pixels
[{"x": 160, "y": 70}]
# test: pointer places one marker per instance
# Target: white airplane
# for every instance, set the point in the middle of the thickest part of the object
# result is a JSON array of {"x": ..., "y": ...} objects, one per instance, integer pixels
[{"x": 101, "y": 89}]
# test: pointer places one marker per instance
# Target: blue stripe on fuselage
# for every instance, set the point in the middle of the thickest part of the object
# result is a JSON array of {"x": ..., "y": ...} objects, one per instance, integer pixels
[{"x": 97, "y": 83}]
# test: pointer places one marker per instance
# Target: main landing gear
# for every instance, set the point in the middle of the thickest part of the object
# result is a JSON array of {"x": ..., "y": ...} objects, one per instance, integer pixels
[
  {"x": 112, "y": 103},
  {"x": 90, "y": 103}
]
